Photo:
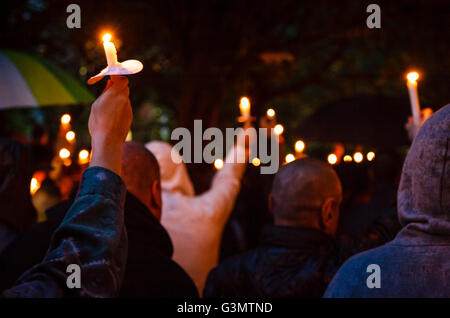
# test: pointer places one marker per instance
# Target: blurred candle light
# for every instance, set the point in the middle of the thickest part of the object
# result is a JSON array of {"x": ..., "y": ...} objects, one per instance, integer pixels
[
  {"x": 278, "y": 129},
  {"x": 299, "y": 146},
  {"x": 348, "y": 158},
  {"x": 110, "y": 49},
  {"x": 83, "y": 157},
  {"x": 256, "y": 162},
  {"x": 64, "y": 153},
  {"x": 70, "y": 136},
  {"x": 67, "y": 162},
  {"x": 412, "y": 78},
  {"x": 218, "y": 164},
  {"x": 358, "y": 157},
  {"x": 270, "y": 113},
  {"x": 34, "y": 186},
  {"x": 289, "y": 158},
  {"x": 65, "y": 119},
  {"x": 332, "y": 159},
  {"x": 370, "y": 156},
  {"x": 244, "y": 106}
]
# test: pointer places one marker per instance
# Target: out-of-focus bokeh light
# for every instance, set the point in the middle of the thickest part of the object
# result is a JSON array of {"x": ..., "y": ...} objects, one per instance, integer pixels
[
  {"x": 70, "y": 135},
  {"x": 256, "y": 162},
  {"x": 299, "y": 146},
  {"x": 67, "y": 162},
  {"x": 332, "y": 159},
  {"x": 65, "y": 119},
  {"x": 34, "y": 186},
  {"x": 412, "y": 76},
  {"x": 218, "y": 164},
  {"x": 289, "y": 158},
  {"x": 64, "y": 153},
  {"x": 83, "y": 157},
  {"x": 270, "y": 113},
  {"x": 244, "y": 105},
  {"x": 348, "y": 158},
  {"x": 278, "y": 129},
  {"x": 370, "y": 156},
  {"x": 358, "y": 157}
]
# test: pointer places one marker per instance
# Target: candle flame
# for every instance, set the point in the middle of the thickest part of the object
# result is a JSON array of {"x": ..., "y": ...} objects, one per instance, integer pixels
[
  {"x": 299, "y": 146},
  {"x": 278, "y": 129},
  {"x": 358, "y": 157},
  {"x": 412, "y": 76},
  {"x": 332, "y": 159},
  {"x": 106, "y": 37},
  {"x": 270, "y": 113},
  {"x": 289, "y": 158}
]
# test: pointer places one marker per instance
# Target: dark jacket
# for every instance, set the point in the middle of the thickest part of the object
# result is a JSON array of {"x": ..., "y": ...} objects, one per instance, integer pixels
[
  {"x": 150, "y": 272},
  {"x": 290, "y": 262},
  {"x": 92, "y": 235},
  {"x": 416, "y": 263}
]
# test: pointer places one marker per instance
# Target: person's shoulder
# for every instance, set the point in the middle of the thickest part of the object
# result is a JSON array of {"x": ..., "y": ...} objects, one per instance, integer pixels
[{"x": 351, "y": 278}]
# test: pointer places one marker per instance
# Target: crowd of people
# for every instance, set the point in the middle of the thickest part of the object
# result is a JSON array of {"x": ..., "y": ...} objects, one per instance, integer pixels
[{"x": 136, "y": 228}]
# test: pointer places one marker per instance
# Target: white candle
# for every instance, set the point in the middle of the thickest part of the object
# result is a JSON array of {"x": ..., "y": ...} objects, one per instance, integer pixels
[
  {"x": 110, "y": 50},
  {"x": 414, "y": 97},
  {"x": 244, "y": 106}
]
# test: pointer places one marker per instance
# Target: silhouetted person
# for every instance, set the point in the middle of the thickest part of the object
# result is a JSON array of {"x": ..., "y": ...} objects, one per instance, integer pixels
[
  {"x": 298, "y": 255},
  {"x": 416, "y": 262}
]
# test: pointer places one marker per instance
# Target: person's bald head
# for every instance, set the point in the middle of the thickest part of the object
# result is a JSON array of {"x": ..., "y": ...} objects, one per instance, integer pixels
[
  {"x": 306, "y": 192},
  {"x": 140, "y": 172}
]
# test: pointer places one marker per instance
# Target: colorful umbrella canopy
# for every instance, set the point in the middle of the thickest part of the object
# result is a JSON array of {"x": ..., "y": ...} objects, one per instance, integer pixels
[{"x": 29, "y": 81}]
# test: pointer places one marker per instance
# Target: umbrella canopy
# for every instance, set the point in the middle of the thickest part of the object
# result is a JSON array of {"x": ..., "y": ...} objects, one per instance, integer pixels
[
  {"x": 367, "y": 120},
  {"x": 29, "y": 81}
]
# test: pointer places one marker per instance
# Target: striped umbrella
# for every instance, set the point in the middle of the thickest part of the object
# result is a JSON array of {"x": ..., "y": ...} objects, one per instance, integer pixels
[{"x": 29, "y": 81}]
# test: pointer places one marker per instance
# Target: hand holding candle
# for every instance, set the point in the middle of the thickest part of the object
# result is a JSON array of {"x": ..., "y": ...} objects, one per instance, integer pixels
[{"x": 114, "y": 67}]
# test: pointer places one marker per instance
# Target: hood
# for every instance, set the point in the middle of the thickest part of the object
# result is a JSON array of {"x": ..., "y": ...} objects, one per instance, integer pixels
[
  {"x": 174, "y": 176},
  {"x": 424, "y": 192},
  {"x": 16, "y": 170}
]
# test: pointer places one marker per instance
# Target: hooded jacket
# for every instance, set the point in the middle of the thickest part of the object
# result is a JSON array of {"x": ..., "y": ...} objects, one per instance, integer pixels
[
  {"x": 416, "y": 263},
  {"x": 195, "y": 223}
]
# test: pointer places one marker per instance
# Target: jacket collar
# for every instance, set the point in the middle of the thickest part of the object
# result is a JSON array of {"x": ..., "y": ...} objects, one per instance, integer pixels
[{"x": 293, "y": 237}]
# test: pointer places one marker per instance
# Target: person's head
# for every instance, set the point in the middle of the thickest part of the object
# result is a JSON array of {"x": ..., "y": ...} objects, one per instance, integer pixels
[
  {"x": 140, "y": 172},
  {"x": 306, "y": 193},
  {"x": 174, "y": 175}
]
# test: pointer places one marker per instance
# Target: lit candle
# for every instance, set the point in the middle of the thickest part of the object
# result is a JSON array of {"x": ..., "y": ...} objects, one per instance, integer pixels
[
  {"x": 110, "y": 50},
  {"x": 413, "y": 97},
  {"x": 244, "y": 106},
  {"x": 270, "y": 113},
  {"x": 299, "y": 146}
]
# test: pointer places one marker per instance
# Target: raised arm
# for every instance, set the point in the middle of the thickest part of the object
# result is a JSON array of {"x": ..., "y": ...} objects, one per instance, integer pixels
[{"x": 92, "y": 235}]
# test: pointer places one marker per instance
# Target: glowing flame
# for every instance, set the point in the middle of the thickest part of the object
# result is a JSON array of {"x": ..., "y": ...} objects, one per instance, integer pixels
[
  {"x": 348, "y": 158},
  {"x": 270, "y": 113},
  {"x": 370, "y": 156},
  {"x": 289, "y": 158},
  {"x": 256, "y": 162},
  {"x": 332, "y": 159},
  {"x": 64, "y": 153},
  {"x": 106, "y": 37},
  {"x": 358, "y": 157},
  {"x": 278, "y": 129},
  {"x": 218, "y": 164},
  {"x": 70, "y": 135},
  {"x": 65, "y": 119},
  {"x": 299, "y": 146},
  {"x": 34, "y": 186},
  {"x": 83, "y": 157},
  {"x": 412, "y": 76}
]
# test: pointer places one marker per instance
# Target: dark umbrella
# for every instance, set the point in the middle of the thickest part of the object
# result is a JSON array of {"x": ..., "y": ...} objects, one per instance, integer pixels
[{"x": 368, "y": 120}]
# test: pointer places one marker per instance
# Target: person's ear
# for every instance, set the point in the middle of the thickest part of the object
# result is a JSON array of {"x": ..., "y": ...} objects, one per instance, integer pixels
[
  {"x": 156, "y": 202},
  {"x": 330, "y": 215}
]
